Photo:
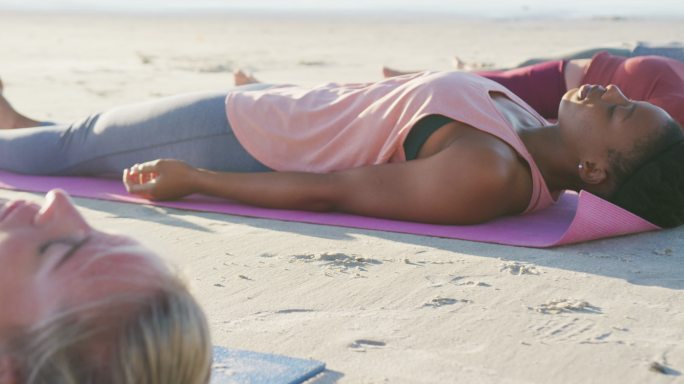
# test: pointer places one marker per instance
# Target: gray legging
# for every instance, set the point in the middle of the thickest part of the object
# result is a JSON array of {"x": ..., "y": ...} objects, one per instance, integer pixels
[
  {"x": 672, "y": 50},
  {"x": 191, "y": 127}
]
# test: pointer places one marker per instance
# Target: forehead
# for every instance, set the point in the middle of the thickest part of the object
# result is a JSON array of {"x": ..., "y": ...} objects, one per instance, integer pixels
[{"x": 645, "y": 126}]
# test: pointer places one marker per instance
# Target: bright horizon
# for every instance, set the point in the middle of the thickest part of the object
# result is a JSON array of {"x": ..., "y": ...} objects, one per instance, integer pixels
[{"x": 467, "y": 8}]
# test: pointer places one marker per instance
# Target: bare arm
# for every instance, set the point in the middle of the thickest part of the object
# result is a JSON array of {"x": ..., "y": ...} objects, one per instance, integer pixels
[
  {"x": 575, "y": 71},
  {"x": 442, "y": 188}
]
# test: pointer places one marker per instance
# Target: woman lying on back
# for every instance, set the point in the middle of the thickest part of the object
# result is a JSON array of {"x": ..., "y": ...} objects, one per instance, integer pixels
[
  {"x": 81, "y": 306},
  {"x": 450, "y": 148}
]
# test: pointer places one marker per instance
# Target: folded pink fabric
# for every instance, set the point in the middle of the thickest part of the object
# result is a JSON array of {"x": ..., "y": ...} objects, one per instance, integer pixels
[{"x": 574, "y": 218}]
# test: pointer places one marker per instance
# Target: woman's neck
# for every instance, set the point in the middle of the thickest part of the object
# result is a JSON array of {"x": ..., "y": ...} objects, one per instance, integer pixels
[{"x": 556, "y": 162}]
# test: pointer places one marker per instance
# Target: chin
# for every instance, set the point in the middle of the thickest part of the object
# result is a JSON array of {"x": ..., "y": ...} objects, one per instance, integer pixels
[
  {"x": 571, "y": 105},
  {"x": 563, "y": 107}
]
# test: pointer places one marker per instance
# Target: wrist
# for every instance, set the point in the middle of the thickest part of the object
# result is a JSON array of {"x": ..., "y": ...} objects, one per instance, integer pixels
[{"x": 198, "y": 180}]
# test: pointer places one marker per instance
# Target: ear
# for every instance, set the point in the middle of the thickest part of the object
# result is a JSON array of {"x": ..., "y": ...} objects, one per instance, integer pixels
[
  {"x": 8, "y": 373},
  {"x": 592, "y": 173}
]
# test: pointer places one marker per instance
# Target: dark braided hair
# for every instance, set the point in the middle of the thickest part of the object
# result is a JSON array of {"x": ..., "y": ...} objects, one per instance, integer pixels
[{"x": 654, "y": 190}]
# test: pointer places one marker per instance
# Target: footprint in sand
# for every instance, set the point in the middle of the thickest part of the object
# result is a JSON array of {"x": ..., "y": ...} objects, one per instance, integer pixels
[
  {"x": 662, "y": 368},
  {"x": 442, "y": 301},
  {"x": 663, "y": 252},
  {"x": 293, "y": 310},
  {"x": 563, "y": 329},
  {"x": 516, "y": 268},
  {"x": 339, "y": 262},
  {"x": 557, "y": 306},
  {"x": 361, "y": 345},
  {"x": 460, "y": 281}
]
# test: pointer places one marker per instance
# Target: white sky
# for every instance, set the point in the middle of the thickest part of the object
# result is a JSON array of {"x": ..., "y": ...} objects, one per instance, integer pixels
[{"x": 497, "y": 8}]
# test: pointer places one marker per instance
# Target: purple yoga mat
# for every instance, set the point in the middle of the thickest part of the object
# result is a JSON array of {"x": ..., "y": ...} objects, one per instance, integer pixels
[{"x": 574, "y": 218}]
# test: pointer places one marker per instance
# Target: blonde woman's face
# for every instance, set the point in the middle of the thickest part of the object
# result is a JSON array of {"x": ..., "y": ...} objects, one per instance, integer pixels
[{"x": 50, "y": 258}]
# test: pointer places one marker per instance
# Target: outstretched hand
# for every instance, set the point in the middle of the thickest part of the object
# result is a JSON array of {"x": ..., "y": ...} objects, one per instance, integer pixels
[{"x": 162, "y": 179}]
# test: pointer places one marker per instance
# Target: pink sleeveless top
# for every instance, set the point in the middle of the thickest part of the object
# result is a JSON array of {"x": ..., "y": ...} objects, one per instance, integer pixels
[{"x": 341, "y": 126}]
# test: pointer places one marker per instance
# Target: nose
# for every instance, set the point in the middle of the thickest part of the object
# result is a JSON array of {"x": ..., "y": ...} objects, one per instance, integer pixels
[
  {"x": 59, "y": 211},
  {"x": 614, "y": 93}
]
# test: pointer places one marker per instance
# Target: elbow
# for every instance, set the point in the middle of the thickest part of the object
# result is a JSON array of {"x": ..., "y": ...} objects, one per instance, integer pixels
[
  {"x": 334, "y": 194},
  {"x": 319, "y": 205},
  {"x": 326, "y": 196}
]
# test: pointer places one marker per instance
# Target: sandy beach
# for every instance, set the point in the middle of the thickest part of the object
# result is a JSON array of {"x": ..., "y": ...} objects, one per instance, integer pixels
[{"x": 377, "y": 307}]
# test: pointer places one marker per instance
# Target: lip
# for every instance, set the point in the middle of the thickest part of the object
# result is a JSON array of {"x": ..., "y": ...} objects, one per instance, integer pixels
[
  {"x": 588, "y": 91},
  {"x": 582, "y": 92}
]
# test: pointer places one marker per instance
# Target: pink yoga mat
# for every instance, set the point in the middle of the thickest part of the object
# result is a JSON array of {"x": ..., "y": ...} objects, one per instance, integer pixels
[{"x": 574, "y": 218}]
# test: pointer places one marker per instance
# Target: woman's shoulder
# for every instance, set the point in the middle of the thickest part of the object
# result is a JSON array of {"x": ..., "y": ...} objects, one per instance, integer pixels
[{"x": 498, "y": 174}]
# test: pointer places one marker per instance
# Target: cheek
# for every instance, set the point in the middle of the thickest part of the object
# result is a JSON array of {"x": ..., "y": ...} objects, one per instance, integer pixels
[
  {"x": 568, "y": 112},
  {"x": 572, "y": 117},
  {"x": 18, "y": 270},
  {"x": 22, "y": 304},
  {"x": 24, "y": 294},
  {"x": 582, "y": 119}
]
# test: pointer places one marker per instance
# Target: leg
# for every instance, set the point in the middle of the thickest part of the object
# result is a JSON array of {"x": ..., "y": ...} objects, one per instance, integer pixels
[
  {"x": 192, "y": 127},
  {"x": 391, "y": 72},
  {"x": 585, "y": 54},
  {"x": 459, "y": 65},
  {"x": 541, "y": 85},
  {"x": 241, "y": 77},
  {"x": 672, "y": 50},
  {"x": 10, "y": 118}
]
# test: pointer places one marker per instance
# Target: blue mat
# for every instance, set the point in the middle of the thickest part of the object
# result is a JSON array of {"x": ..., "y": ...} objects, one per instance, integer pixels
[{"x": 237, "y": 366}]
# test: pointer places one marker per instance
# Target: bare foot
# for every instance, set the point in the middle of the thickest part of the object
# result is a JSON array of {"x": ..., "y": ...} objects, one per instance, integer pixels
[
  {"x": 242, "y": 78},
  {"x": 462, "y": 65},
  {"x": 390, "y": 72},
  {"x": 7, "y": 113},
  {"x": 9, "y": 117}
]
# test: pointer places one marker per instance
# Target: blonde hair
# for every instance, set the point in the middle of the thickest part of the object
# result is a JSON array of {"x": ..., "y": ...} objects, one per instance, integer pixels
[{"x": 157, "y": 337}]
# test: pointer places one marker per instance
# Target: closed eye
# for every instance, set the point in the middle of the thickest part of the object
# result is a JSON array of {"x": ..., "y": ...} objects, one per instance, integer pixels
[
  {"x": 611, "y": 110},
  {"x": 74, "y": 246},
  {"x": 630, "y": 112}
]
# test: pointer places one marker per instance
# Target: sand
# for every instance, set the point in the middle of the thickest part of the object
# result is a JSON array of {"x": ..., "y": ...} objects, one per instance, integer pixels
[{"x": 376, "y": 307}]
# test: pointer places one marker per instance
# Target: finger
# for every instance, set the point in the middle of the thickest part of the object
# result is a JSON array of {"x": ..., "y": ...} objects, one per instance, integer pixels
[
  {"x": 150, "y": 166},
  {"x": 129, "y": 179},
  {"x": 148, "y": 176},
  {"x": 133, "y": 170},
  {"x": 144, "y": 188},
  {"x": 137, "y": 174},
  {"x": 125, "y": 178},
  {"x": 136, "y": 169}
]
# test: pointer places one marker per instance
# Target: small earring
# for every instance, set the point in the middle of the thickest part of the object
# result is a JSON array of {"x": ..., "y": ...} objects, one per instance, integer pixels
[{"x": 580, "y": 166}]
